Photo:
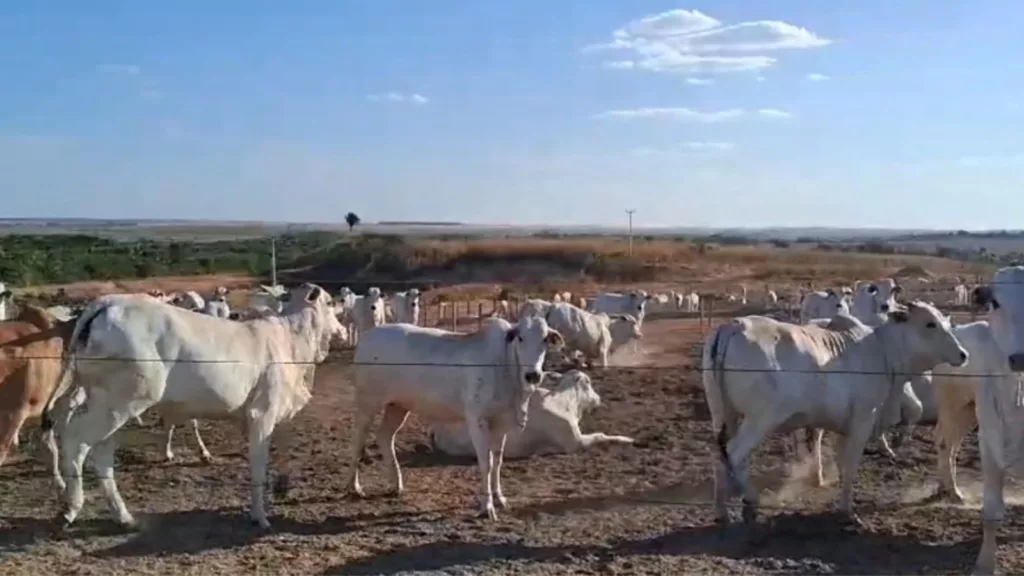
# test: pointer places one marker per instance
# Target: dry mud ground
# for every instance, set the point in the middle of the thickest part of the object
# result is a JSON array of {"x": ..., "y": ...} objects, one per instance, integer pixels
[{"x": 613, "y": 510}]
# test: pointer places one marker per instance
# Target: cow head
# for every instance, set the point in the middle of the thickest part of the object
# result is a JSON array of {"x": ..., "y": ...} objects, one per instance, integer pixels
[
  {"x": 1003, "y": 299},
  {"x": 836, "y": 300},
  {"x": 624, "y": 328},
  {"x": 326, "y": 327},
  {"x": 580, "y": 383},
  {"x": 928, "y": 338},
  {"x": 529, "y": 340},
  {"x": 6, "y": 303}
]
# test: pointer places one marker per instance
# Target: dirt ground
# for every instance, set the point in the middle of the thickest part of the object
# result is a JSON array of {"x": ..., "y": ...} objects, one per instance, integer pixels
[{"x": 612, "y": 510}]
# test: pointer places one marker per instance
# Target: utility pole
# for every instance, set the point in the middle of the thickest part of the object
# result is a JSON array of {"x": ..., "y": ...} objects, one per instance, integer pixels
[
  {"x": 630, "y": 211},
  {"x": 273, "y": 261}
]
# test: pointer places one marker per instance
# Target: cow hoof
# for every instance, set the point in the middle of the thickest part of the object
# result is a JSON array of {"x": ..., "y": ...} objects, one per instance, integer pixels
[
  {"x": 951, "y": 496},
  {"x": 207, "y": 459},
  {"x": 282, "y": 484},
  {"x": 128, "y": 524},
  {"x": 502, "y": 502},
  {"x": 722, "y": 521},
  {"x": 489, "y": 513},
  {"x": 852, "y": 521},
  {"x": 261, "y": 523},
  {"x": 749, "y": 513},
  {"x": 981, "y": 570}
]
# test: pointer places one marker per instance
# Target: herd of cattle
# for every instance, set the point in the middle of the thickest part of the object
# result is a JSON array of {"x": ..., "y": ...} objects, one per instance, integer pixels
[{"x": 856, "y": 363}]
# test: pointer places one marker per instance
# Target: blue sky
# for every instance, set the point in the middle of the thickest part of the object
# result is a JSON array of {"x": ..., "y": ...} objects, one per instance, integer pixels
[{"x": 770, "y": 113}]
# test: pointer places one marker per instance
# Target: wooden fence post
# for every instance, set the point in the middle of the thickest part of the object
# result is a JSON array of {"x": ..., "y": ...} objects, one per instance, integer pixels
[
  {"x": 479, "y": 315},
  {"x": 455, "y": 315}
]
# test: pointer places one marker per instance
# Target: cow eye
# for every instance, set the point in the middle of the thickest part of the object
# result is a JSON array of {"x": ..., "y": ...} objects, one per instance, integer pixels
[{"x": 930, "y": 325}]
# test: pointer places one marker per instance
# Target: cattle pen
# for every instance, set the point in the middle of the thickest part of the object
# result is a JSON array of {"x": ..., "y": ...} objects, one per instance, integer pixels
[{"x": 644, "y": 508}]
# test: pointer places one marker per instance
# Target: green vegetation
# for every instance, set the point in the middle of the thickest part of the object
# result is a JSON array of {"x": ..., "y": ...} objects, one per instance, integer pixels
[
  {"x": 58, "y": 259},
  {"x": 446, "y": 258}
]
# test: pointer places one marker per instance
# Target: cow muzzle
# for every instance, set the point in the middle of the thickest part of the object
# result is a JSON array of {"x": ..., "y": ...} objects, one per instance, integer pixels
[
  {"x": 1016, "y": 362},
  {"x": 532, "y": 377}
]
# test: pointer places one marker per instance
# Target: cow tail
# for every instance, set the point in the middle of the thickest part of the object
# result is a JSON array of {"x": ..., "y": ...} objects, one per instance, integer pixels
[
  {"x": 79, "y": 337},
  {"x": 714, "y": 389}
]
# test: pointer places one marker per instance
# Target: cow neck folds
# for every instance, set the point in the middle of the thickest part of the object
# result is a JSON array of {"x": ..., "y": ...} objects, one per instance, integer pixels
[{"x": 303, "y": 327}]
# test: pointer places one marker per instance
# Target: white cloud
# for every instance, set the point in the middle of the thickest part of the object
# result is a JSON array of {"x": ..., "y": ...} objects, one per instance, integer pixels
[
  {"x": 709, "y": 146},
  {"x": 416, "y": 99},
  {"x": 686, "y": 114},
  {"x": 691, "y": 115},
  {"x": 689, "y": 41},
  {"x": 699, "y": 81},
  {"x": 129, "y": 69},
  {"x": 759, "y": 78},
  {"x": 773, "y": 113},
  {"x": 816, "y": 77}
]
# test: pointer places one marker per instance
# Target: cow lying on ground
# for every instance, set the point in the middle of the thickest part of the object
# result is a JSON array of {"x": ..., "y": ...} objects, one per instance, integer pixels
[
  {"x": 779, "y": 377},
  {"x": 184, "y": 365},
  {"x": 553, "y": 425},
  {"x": 484, "y": 379},
  {"x": 596, "y": 336}
]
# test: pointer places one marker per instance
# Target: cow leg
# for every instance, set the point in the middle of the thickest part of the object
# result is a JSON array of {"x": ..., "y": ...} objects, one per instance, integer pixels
[
  {"x": 87, "y": 430},
  {"x": 818, "y": 478},
  {"x": 103, "y": 464},
  {"x": 203, "y": 452},
  {"x": 753, "y": 431},
  {"x": 993, "y": 511},
  {"x": 588, "y": 440},
  {"x": 168, "y": 453},
  {"x": 721, "y": 468},
  {"x": 10, "y": 425},
  {"x": 883, "y": 439},
  {"x": 260, "y": 429},
  {"x": 392, "y": 421},
  {"x": 850, "y": 454},
  {"x": 360, "y": 430},
  {"x": 953, "y": 425},
  {"x": 498, "y": 449},
  {"x": 480, "y": 434},
  {"x": 49, "y": 440}
]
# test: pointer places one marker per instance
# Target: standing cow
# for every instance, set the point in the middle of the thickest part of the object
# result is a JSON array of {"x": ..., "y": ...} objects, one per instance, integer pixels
[
  {"x": 777, "y": 376},
  {"x": 484, "y": 379},
  {"x": 183, "y": 366}
]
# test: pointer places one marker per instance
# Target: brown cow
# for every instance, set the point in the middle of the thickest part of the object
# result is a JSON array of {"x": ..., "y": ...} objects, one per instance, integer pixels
[{"x": 30, "y": 351}]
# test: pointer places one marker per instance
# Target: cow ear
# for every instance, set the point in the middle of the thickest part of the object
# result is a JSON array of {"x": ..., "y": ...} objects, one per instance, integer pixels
[
  {"x": 511, "y": 334},
  {"x": 314, "y": 294},
  {"x": 899, "y": 316},
  {"x": 982, "y": 297},
  {"x": 554, "y": 339}
]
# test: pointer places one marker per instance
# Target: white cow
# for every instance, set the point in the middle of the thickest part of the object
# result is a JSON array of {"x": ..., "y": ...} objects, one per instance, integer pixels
[
  {"x": 596, "y": 336},
  {"x": 258, "y": 371},
  {"x": 484, "y": 379},
  {"x": 633, "y": 303},
  {"x": 872, "y": 301},
  {"x": 553, "y": 425},
  {"x": 366, "y": 313},
  {"x": 7, "y": 308},
  {"x": 691, "y": 302},
  {"x": 189, "y": 300},
  {"x": 406, "y": 306},
  {"x": 960, "y": 295},
  {"x": 61, "y": 312},
  {"x": 771, "y": 299},
  {"x": 999, "y": 400},
  {"x": 822, "y": 305},
  {"x": 780, "y": 377},
  {"x": 266, "y": 301},
  {"x": 535, "y": 307}
]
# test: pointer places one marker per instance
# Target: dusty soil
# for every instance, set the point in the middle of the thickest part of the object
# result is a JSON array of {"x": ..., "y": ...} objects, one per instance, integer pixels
[{"x": 612, "y": 510}]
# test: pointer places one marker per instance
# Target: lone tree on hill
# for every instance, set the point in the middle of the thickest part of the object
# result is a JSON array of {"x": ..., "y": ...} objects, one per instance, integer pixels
[{"x": 352, "y": 219}]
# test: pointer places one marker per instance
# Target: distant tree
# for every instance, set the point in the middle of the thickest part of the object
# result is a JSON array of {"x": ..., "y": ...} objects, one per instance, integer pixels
[{"x": 352, "y": 220}]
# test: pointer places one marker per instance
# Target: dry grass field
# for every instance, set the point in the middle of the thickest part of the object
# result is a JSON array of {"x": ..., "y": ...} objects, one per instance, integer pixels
[{"x": 611, "y": 510}]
